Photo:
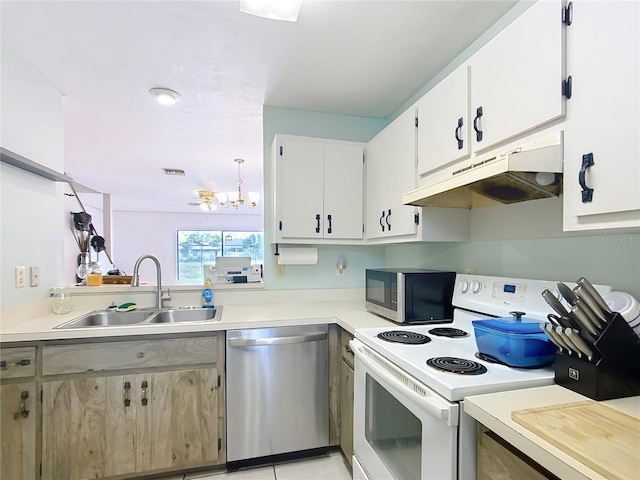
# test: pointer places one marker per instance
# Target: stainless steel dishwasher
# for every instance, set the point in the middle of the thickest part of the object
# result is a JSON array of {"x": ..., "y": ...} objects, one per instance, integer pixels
[{"x": 277, "y": 391}]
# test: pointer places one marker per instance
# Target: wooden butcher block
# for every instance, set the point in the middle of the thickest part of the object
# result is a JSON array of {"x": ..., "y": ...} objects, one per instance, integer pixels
[{"x": 600, "y": 437}]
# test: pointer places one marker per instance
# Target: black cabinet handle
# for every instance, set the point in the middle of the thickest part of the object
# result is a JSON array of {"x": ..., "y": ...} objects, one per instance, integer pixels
[
  {"x": 457, "y": 133},
  {"x": 587, "y": 162},
  {"x": 127, "y": 400},
  {"x": 381, "y": 224},
  {"x": 318, "y": 223},
  {"x": 475, "y": 124},
  {"x": 23, "y": 413},
  {"x": 329, "y": 229},
  {"x": 144, "y": 399},
  {"x": 387, "y": 220}
]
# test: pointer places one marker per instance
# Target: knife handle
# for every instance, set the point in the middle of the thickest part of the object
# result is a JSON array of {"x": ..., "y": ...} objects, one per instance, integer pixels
[
  {"x": 591, "y": 290},
  {"x": 579, "y": 342}
]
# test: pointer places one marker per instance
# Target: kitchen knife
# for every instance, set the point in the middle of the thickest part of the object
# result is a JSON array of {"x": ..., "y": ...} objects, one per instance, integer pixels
[
  {"x": 581, "y": 319},
  {"x": 547, "y": 328},
  {"x": 584, "y": 296},
  {"x": 559, "y": 331},
  {"x": 579, "y": 342},
  {"x": 595, "y": 317},
  {"x": 554, "y": 303},
  {"x": 591, "y": 291}
]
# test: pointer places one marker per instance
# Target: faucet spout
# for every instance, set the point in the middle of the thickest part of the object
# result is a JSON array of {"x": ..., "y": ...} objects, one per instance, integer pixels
[{"x": 135, "y": 280}]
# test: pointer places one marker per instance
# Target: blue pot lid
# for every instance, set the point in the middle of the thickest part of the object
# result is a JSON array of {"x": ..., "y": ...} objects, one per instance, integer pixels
[{"x": 509, "y": 325}]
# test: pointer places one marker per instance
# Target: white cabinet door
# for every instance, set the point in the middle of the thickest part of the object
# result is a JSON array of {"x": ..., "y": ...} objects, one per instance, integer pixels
[
  {"x": 516, "y": 79},
  {"x": 603, "y": 116},
  {"x": 343, "y": 190},
  {"x": 391, "y": 171},
  {"x": 318, "y": 188},
  {"x": 301, "y": 187},
  {"x": 443, "y": 122}
]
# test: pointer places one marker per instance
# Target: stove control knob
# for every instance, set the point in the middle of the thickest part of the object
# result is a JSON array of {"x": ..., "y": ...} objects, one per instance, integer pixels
[
  {"x": 476, "y": 286},
  {"x": 464, "y": 286}
]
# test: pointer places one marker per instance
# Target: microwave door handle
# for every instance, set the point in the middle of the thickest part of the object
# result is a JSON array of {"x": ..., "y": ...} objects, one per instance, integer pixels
[{"x": 437, "y": 407}]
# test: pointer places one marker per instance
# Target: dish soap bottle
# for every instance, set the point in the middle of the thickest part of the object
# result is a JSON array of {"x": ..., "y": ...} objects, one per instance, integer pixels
[{"x": 207, "y": 295}]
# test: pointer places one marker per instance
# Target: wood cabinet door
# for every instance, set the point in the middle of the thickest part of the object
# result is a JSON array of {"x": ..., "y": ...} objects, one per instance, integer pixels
[
  {"x": 300, "y": 187},
  {"x": 443, "y": 122},
  {"x": 346, "y": 410},
  {"x": 87, "y": 430},
  {"x": 343, "y": 191},
  {"x": 516, "y": 78},
  {"x": 18, "y": 438},
  {"x": 177, "y": 426}
]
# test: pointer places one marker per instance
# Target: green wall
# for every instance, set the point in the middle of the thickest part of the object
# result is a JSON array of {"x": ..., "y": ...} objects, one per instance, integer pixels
[{"x": 606, "y": 259}]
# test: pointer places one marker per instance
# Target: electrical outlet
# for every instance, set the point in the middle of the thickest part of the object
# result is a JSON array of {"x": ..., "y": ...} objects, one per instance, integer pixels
[
  {"x": 20, "y": 274},
  {"x": 470, "y": 271},
  {"x": 280, "y": 271},
  {"x": 35, "y": 276}
]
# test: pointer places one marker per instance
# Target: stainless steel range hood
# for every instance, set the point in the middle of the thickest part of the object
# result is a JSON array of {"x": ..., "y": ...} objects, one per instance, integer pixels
[{"x": 529, "y": 172}]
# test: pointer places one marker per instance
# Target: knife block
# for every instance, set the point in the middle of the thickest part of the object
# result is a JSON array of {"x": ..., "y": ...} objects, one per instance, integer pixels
[{"x": 615, "y": 369}]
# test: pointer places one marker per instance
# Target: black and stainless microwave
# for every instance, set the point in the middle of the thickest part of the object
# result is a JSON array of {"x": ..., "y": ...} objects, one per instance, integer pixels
[{"x": 410, "y": 295}]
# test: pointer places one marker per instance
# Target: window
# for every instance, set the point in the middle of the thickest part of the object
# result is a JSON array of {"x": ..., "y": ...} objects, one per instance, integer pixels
[{"x": 197, "y": 248}]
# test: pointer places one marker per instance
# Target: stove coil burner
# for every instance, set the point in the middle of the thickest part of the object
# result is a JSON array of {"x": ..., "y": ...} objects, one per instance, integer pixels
[
  {"x": 457, "y": 365},
  {"x": 448, "y": 332},
  {"x": 407, "y": 338}
]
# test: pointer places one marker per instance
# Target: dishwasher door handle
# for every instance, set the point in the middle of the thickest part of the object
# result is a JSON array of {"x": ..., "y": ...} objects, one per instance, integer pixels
[{"x": 256, "y": 342}]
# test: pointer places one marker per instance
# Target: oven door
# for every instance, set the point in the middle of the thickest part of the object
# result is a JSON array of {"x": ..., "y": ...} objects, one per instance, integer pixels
[{"x": 402, "y": 429}]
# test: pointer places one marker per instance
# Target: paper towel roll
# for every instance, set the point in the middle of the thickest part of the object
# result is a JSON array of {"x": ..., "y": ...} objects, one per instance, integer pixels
[{"x": 297, "y": 256}]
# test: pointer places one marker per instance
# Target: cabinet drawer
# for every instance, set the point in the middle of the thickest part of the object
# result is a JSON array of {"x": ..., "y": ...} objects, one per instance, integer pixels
[
  {"x": 17, "y": 362},
  {"x": 347, "y": 353},
  {"x": 122, "y": 355}
]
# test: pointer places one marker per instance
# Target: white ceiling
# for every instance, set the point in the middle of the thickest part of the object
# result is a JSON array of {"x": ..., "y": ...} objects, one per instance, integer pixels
[{"x": 362, "y": 58}]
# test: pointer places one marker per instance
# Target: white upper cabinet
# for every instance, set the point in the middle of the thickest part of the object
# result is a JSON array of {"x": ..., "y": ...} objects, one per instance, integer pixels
[
  {"x": 602, "y": 151},
  {"x": 511, "y": 86},
  {"x": 391, "y": 171},
  {"x": 318, "y": 190},
  {"x": 443, "y": 122},
  {"x": 516, "y": 78}
]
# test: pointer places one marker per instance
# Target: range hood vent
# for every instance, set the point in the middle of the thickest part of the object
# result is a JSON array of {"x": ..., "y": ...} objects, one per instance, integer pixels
[{"x": 529, "y": 172}]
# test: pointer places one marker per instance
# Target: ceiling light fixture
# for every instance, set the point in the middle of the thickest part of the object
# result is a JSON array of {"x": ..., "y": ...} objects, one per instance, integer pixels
[
  {"x": 165, "y": 96},
  {"x": 286, "y": 10},
  {"x": 235, "y": 198},
  {"x": 207, "y": 203}
]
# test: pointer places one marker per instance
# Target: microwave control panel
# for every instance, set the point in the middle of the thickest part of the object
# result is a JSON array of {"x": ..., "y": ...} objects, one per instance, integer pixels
[{"x": 511, "y": 292}]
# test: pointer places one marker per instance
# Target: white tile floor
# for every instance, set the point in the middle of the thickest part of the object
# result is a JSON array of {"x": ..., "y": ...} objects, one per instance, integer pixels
[{"x": 332, "y": 466}]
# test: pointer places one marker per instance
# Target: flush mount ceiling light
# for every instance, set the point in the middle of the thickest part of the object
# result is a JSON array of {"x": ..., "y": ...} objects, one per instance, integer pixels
[
  {"x": 286, "y": 10},
  {"x": 165, "y": 96}
]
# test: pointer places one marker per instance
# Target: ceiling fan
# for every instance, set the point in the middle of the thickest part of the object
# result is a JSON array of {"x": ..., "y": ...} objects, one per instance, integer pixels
[{"x": 207, "y": 201}]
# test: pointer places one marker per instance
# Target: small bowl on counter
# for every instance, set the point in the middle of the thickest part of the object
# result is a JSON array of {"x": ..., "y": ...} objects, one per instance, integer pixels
[{"x": 514, "y": 341}]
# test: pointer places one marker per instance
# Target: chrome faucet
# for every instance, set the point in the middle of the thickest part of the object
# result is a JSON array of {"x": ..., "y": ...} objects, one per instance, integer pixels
[{"x": 135, "y": 280}]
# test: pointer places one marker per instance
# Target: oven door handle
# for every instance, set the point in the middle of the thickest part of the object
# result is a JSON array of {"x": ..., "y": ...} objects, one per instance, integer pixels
[{"x": 400, "y": 380}]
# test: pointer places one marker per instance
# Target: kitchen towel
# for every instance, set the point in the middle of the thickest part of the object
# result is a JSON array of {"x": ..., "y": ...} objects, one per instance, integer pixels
[{"x": 298, "y": 256}]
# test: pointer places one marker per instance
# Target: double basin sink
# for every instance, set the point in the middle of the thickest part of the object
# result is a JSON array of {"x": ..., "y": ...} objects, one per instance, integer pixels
[{"x": 144, "y": 316}]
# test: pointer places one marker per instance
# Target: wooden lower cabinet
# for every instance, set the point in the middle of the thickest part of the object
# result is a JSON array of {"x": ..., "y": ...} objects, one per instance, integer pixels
[
  {"x": 346, "y": 410},
  {"x": 18, "y": 418},
  {"x": 496, "y": 459}
]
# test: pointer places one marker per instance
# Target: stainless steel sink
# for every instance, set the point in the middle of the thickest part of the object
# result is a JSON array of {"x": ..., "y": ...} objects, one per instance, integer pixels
[
  {"x": 142, "y": 316},
  {"x": 190, "y": 315},
  {"x": 108, "y": 318}
]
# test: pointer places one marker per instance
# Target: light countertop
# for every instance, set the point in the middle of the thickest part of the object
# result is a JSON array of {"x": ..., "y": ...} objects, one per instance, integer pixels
[
  {"x": 494, "y": 411},
  {"x": 349, "y": 314}
]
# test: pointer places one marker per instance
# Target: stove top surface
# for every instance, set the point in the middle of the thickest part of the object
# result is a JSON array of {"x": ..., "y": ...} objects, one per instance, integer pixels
[{"x": 412, "y": 358}]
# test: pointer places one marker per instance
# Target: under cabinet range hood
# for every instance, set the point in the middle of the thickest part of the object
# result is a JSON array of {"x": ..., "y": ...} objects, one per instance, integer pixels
[{"x": 530, "y": 172}]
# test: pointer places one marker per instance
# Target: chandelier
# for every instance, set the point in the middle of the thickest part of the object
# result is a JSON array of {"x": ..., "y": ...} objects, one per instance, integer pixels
[{"x": 235, "y": 198}]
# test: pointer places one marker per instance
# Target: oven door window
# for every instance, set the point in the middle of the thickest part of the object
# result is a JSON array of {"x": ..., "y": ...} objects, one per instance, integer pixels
[{"x": 394, "y": 433}]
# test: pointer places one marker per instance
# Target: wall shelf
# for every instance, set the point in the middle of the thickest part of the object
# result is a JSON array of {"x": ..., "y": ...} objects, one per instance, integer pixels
[{"x": 15, "y": 160}]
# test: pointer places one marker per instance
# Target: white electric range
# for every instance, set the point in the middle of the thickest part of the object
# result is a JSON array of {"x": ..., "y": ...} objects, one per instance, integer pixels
[{"x": 408, "y": 413}]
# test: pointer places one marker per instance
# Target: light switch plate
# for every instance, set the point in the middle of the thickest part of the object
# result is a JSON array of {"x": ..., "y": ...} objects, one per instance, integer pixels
[{"x": 280, "y": 271}]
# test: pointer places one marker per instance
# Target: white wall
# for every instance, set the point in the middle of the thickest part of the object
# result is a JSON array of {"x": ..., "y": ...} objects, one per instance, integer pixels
[
  {"x": 32, "y": 125},
  {"x": 139, "y": 233}
]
